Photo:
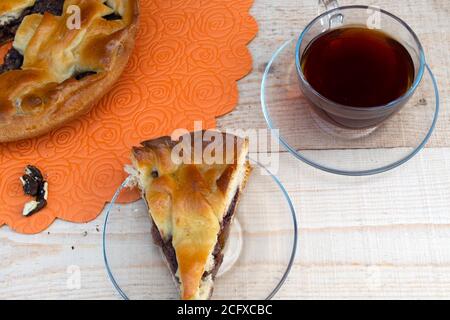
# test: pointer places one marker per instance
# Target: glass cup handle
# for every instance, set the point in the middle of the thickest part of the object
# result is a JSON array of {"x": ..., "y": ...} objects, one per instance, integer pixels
[{"x": 331, "y": 20}]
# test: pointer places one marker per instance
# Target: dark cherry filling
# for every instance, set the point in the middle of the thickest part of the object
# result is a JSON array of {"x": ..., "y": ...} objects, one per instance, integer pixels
[
  {"x": 169, "y": 251},
  {"x": 113, "y": 16},
  {"x": 223, "y": 236},
  {"x": 13, "y": 61},
  {"x": 83, "y": 75},
  {"x": 54, "y": 7}
]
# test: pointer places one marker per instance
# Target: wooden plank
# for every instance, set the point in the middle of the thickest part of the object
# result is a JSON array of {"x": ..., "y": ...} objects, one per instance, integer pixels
[
  {"x": 415, "y": 193},
  {"x": 39, "y": 266},
  {"x": 368, "y": 282}
]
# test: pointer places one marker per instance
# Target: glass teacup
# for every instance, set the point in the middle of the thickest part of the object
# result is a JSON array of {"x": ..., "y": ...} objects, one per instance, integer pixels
[{"x": 364, "y": 16}]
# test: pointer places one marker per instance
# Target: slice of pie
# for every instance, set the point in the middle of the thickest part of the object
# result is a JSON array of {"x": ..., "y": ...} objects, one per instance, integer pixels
[{"x": 192, "y": 203}]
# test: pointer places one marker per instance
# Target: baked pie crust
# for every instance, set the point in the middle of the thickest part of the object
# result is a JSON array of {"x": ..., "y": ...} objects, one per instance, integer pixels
[
  {"x": 191, "y": 207},
  {"x": 65, "y": 71}
]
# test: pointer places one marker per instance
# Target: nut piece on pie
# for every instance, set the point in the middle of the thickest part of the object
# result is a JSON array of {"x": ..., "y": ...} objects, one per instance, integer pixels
[
  {"x": 192, "y": 203},
  {"x": 57, "y": 68}
]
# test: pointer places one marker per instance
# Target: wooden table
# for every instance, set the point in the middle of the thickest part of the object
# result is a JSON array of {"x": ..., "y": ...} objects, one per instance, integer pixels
[{"x": 385, "y": 236}]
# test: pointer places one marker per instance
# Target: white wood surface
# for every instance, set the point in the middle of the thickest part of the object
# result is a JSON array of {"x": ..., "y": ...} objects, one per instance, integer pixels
[{"x": 385, "y": 236}]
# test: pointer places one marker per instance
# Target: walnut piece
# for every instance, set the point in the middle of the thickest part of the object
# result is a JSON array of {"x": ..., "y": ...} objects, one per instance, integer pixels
[{"x": 34, "y": 185}]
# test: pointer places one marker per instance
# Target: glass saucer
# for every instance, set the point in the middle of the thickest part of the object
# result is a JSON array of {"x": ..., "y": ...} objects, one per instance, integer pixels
[
  {"x": 258, "y": 257},
  {"x": 337, "y": 150}
]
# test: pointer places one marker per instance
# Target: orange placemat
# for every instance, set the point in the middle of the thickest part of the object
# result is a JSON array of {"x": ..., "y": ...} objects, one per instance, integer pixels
[{"x": 188, "y": 57}]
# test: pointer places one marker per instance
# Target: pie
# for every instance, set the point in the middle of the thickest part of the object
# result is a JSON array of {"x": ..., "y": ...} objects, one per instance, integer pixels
[
  {"x": 57, "y": 69},
  {"x": 191, "y": 205}
]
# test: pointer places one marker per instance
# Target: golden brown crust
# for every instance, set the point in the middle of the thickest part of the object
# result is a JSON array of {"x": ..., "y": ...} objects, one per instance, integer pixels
[
  {"x": 33, "y": 101},
  {"x": 188, "y": 202},
  {"x": 13, "y": 6}
]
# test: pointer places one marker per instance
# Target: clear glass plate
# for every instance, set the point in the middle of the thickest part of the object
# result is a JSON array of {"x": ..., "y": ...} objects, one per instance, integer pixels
[
  {"x": 344, "y": 151},
  {"x": 258, "y": 257}
]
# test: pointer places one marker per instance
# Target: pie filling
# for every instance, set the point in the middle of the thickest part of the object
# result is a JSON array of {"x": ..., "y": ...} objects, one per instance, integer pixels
[
  {"x": 225, "y": 226},
  {"x": 13, "y": 61}
]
